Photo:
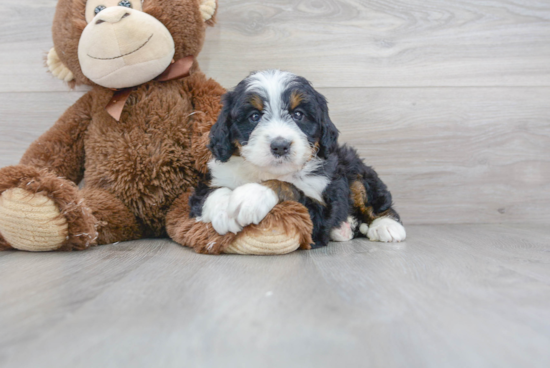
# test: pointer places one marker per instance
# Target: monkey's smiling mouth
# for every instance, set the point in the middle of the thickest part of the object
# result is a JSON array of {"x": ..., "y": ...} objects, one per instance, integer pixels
[{"x": 118, "y": 57}]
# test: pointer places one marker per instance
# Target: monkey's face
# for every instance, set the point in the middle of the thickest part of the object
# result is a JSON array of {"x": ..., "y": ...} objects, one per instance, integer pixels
[
  {"x": 124, "y": 43},
  {"x": 122, "y": 46}
]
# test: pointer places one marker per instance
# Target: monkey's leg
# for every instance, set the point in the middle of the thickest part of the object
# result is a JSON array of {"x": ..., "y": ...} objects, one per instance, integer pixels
[
  {"x": 115, "y": 222},
  {"x": 40, "y": 211}
]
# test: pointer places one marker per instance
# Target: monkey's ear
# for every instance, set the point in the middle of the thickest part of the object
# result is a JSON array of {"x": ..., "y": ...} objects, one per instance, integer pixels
[
  {"x": 208, "y": 11},
  {"x": 57, "y": 68}
]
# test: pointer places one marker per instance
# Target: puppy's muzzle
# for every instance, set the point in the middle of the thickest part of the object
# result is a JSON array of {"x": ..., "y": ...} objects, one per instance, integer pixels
[{"x": 280, "y": 147}]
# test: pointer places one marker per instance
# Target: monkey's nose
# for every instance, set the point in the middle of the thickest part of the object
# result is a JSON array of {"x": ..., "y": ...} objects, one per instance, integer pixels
[{"x": 113, "y": 14}]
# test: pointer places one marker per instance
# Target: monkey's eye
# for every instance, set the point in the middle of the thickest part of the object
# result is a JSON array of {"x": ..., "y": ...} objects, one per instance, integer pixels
[
  {"x": 98, "y": 9},
  {"x": 255, "y": 117},
  {"x": 298, "y": 115},
  {"x": 125, "y": 3}
]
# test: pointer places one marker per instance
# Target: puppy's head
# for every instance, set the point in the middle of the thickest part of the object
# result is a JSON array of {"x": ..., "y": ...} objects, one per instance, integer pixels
[{"x": 274, "y": 120}]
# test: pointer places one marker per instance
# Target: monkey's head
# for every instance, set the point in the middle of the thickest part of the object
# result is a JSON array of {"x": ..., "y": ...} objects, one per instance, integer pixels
[{"x": 124, "y": 43}]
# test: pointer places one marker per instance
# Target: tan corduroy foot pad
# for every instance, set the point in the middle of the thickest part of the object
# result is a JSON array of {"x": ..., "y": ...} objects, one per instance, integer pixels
[
  {"x": 30, "y": 221},
  {"x": 265, "y": 242}
]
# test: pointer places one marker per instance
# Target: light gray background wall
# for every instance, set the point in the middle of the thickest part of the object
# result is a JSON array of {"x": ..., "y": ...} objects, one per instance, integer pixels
[{"x": 449, "y": 100}]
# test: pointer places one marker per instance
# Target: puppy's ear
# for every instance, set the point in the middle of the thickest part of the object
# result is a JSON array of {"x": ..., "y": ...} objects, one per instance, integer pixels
[
  {"x": 220, "y": 144},
  {"x": 329, "y": 133}
]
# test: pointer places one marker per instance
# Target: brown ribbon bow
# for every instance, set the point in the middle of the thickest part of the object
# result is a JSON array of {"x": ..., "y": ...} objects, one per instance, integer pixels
[{"x": 176, "y": 70}]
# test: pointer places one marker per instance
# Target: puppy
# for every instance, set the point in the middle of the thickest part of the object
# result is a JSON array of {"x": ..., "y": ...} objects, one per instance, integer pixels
[{"x": 273, "y": 142}]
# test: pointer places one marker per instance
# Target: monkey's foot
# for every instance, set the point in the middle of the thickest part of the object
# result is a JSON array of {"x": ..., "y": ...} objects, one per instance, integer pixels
[
  {"x": 42, "y": 212},
  {"x": 31, "y": 222}
]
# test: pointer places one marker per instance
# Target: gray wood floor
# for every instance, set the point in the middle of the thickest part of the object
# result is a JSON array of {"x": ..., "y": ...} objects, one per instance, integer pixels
[
  {"x": 451, "y": 296},
  {"x": 449, "y": 100}
]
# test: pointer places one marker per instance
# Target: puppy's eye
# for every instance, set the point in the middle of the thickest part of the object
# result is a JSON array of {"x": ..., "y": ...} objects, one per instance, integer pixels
[
  {"x": 125, "y": 3},
  {"x": 298, "y": 115},
  {"x": 98, "y": 9},
  {"x": 255, "y": 117}
]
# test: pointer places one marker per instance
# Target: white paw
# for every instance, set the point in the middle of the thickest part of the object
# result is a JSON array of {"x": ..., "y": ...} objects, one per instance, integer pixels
[
  {"x": 250, "y": 203},
  {"x": 386, "y": 230},
  {"x": 345, "y": 231},
  {"x": 342, "y": 234},
  {"x": 214, "y": 211}
]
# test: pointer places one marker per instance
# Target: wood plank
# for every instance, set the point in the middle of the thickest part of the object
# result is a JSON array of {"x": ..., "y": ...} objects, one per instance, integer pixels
[
  {"x": 454, "y": 155},
  {"x": 452, "y": 296},
  {"x": 449, "y": 155},
  {"x": 335, "y": 43},
  {"x": 25, "y": 116},
  {"x": 25, "y": 39},
  {"x": 355, "y": 43}
]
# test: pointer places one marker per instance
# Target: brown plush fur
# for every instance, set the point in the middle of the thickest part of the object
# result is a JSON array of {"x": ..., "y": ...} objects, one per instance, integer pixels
[
  {"x": 138, "y": 172},
  {"x": 291, "y": 216},
  {"x": 133, "y": 169},
  {"x": 115, "y": 222},
  {"x": 144, "y": 162},
  {"x": 4, "y": 244}
]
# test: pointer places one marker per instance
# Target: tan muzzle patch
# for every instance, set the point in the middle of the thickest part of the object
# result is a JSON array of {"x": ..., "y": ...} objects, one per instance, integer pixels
[{"x": 123, "y": 48}]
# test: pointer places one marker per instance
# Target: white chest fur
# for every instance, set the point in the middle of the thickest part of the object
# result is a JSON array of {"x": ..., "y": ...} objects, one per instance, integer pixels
[{"x": 237, "y": 172}]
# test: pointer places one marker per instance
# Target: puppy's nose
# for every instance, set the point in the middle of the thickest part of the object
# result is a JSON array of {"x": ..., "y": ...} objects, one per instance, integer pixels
[
  {"x": 112, "y": 14},
  {"x": 280, "y": 147}
]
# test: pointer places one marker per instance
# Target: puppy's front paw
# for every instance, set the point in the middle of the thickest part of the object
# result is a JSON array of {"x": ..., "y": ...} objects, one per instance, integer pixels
[
  {"x": 386, "y": 229},
  {"x": 214, "y": 211},
  {"x": 250, "y": 203},
  {"x": 223, "y": 224}
]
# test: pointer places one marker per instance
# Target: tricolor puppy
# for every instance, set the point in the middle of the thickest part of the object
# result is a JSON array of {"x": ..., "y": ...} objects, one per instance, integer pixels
[{"x": 274, "y": 141}]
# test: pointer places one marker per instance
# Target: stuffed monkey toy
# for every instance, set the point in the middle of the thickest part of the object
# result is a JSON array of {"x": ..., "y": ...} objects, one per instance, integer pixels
[{"x": 138, "y": 138}]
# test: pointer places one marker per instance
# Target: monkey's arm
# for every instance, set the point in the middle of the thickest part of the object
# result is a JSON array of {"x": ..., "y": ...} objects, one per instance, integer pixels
[
  {"x": 61, "y": 149},
  {"x": 206, "y": 99}
]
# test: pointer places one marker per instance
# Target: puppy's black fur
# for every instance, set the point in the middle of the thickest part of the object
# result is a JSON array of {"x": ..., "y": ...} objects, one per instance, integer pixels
[{"x": 354, "y": 188}]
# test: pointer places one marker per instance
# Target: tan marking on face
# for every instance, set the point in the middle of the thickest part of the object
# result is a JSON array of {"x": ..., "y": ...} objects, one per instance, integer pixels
[
  {"x": 296, "y": 99},
  {"x": 314, "y": 150},
  {"x": 257, "y": 102},
  {"x": 238, "y": 150}
]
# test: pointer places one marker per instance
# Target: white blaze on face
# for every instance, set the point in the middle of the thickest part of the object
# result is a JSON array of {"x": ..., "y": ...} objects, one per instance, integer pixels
[
  {"x": 123, "y": 46},
  {"x": 275, "y": 123}
]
